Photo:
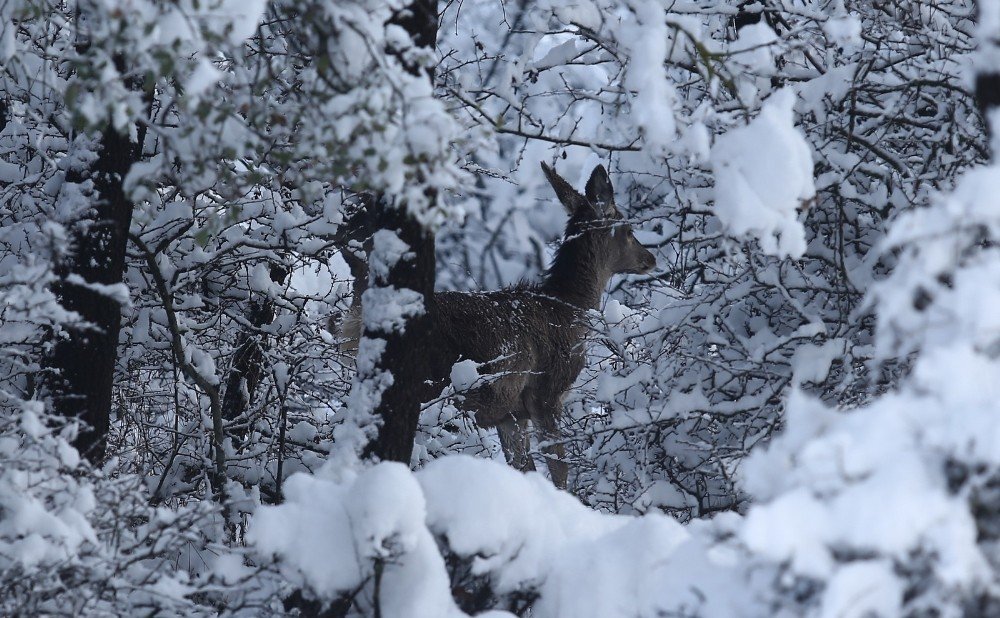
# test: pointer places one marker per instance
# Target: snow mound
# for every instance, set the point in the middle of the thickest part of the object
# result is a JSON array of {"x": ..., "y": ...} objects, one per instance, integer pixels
[
  {"x": 331, "y": 537},
  {"x": 518, "y": 531}
]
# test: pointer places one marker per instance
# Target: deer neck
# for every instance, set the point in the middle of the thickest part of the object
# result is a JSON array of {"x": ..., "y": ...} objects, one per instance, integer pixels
[{"x": 577, "y": 275}]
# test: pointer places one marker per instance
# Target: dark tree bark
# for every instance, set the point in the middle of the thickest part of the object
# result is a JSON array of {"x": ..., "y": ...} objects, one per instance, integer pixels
[
  {"x": 80, "y": 366},
  {"x": 987, "y": 84},
  {"x": 987, "y": 91},
  {"x": 406, "y": 352},
  {"x": 420, "y": 20},
  {"x": 82, "y": 363},
  {"x": 248, "y": 360}
]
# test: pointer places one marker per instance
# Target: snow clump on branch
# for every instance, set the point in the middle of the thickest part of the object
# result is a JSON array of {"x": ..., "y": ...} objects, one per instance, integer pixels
[{"x": 763, "y": 175}]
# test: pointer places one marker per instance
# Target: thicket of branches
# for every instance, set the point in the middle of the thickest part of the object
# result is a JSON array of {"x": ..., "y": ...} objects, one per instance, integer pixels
[{"x": 192, "y": 173}]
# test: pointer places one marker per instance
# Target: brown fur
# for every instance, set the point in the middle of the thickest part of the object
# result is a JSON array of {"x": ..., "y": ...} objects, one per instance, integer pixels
[{"x": 532, "y": 334}]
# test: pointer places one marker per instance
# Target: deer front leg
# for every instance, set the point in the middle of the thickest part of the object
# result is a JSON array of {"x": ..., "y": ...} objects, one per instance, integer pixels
[{"x": 516, "y": 443}]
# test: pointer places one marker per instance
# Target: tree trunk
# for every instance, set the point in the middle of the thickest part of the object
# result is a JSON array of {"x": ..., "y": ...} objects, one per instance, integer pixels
[
  {"x": 405, "y": 353},
  {"x": 987, "y": 82},
  {"x": 83, "y": 362}
]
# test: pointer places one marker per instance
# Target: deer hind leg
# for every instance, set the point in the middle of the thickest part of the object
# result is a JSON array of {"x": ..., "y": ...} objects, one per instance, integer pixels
[
  {"x": 516, "y": 443},
  {"x": 545, "y": 419}
]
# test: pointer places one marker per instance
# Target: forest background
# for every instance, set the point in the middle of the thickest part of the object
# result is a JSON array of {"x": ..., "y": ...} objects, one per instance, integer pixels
[{"x": 794, "y": 414}]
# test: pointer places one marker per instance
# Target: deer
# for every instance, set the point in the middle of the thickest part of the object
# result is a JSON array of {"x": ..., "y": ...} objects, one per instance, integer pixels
[{"x": 528, "y": 339}]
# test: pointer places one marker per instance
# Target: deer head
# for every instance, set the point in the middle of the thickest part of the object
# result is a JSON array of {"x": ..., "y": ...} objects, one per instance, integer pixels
[{"x": 599, "y": 242}]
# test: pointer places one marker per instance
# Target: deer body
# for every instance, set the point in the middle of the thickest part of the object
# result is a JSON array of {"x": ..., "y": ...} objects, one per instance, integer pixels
[
  {"x": 530, "y": 337},
  {"x": 532, "y": 345}
]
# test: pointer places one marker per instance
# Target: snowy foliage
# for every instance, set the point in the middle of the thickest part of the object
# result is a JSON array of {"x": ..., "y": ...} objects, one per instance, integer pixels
[
  {"x": 691, "y": 372},
  {"x": 763, "y": 176},
  {"x": 794, "y": 415}
]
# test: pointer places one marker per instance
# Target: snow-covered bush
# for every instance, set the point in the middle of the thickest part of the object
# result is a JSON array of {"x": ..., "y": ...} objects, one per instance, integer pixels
[
  {"x": 807, "y": 382},
  {"x": 889, "y": 509},
  {"x": 469, "y": 534},
  {"x": 893, "y": 507},
  {"x": 691, "y": 373}
]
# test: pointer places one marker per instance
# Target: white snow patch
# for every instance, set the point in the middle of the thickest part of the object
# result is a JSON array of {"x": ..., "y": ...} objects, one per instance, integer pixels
[
  {"x": 387, "y": 309},
  {"x": 387, "y": 250},
  {"x": 204, "y": 76},
  {"x": 811, "y": 363},
  {"x": 117, "y": 292},
  {"x": 243, "y": 17},
  {"x": 464, "y": 374},
  {"x": 653, "y": 105},
  {"x": 844, "y": 30},
  {"x": 330, "y": 535},
  {"x": 860, "y": 589},
  {"x": 763, "y": 174},
  {"x": 753, "y": 48}
]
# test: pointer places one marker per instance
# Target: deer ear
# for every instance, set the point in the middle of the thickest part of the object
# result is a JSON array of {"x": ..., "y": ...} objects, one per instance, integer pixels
[
  {"x": 600, "y": 193},
  {"x": 570, "y": 198}
]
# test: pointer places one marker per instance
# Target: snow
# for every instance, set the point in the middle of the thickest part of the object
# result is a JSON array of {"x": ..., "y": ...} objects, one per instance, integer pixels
[
  {"x": 869, "y": 481},
  {"x": 464, "y": 374},
  {"x": 763, "y": 176},
  {"x": 653, "y": 105},
  {"x": 8, "y": 42},
  {"x": 204, "y": 76},
  {"x": 792, "y": 529},
  {"x": 582, "y": 12},
  {"x": 610, "y": 385},
  {"x": 31, "y": 424},
  {"x": 753, "y": 48},
  {"x": 514, "y": 523},
  {"x": 387, "y": 309},
  {"x": 117, "y": 292},
  {"x": 640, "y": 562},
  {"x": 203, "y": 363},
  {"x": 517, "y": 529},
  {"x": 697, "y": 400},
  {"x": 559, "y": 54},
  {"x": 230, "y": 568},
  {"x": 961, "y": 306},
  {"x": 387, "y": 249},
  {"x": 844, "y": 29},
  {"x": 864, "y": 588},
  {"x": 316, "y": 505},
  {"x": 378, "y": 515},
  {"x": 242, "y": 16},
  {"x": 44, "y": 519},
  {"x": 523, "y": 531},
  {"x": 613, "y": 312},
  {"x": 302, "y": 431},
  {"x": 811, "y": 363}
]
